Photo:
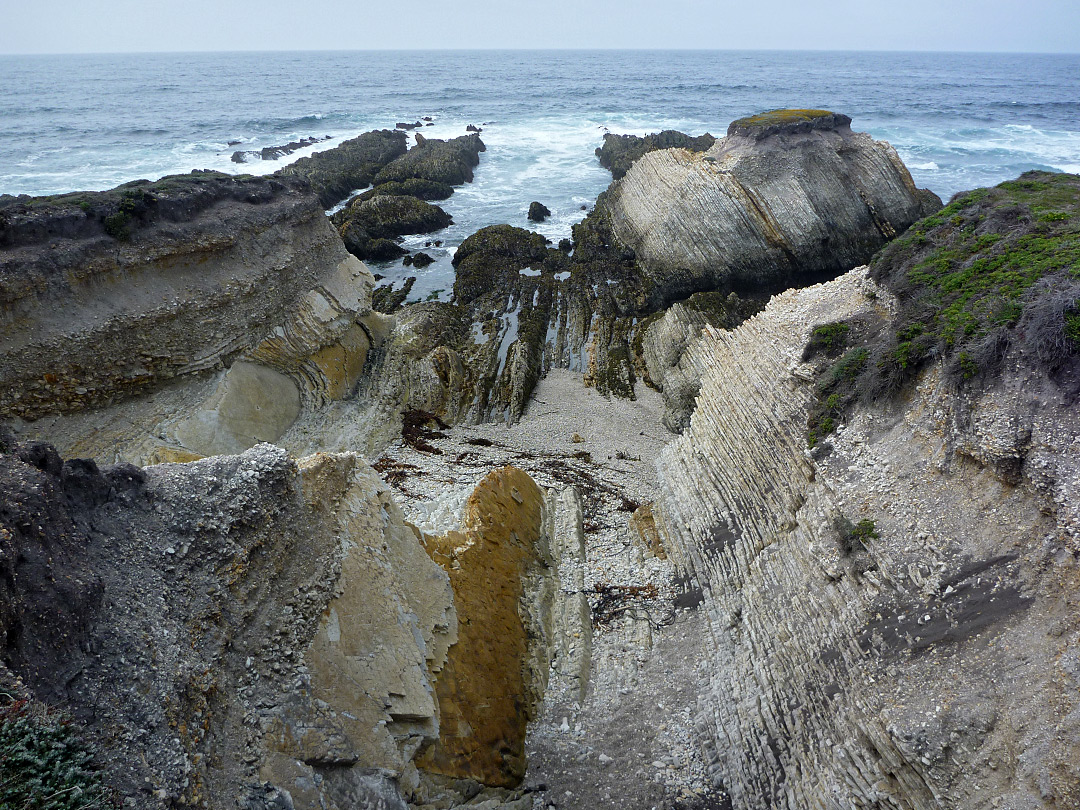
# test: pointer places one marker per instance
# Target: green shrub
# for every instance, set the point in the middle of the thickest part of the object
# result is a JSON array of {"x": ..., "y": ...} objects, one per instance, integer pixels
[
  {"x": 828, "y": 338},
  {"x": 43, "y": 763},
  {"x": 854, "y": 536},
  {"x": 835, "y": 393}
]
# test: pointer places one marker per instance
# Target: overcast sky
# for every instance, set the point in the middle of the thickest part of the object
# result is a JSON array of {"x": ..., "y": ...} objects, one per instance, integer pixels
[{"x": 106, "y": 26}]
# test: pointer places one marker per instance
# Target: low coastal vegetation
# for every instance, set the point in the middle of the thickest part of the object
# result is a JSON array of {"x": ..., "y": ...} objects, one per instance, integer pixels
[
  {"x": 997, "y": 270},
  {"x": 44, "y": 765},
  {"x": 778, "y": 117}
]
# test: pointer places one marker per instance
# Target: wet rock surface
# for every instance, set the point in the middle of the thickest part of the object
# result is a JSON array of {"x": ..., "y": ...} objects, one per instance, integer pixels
[
  {"x": 367, "y": 225},
  {"x": 275, "y": 152},
  {"x": 538, "y": 212},
  {"x": 450, "y": 162},
  {"x": 350, "y": 165}
]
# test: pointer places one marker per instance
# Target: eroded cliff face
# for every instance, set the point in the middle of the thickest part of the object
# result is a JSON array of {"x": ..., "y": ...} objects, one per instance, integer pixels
[
  {"x": 924, "y": 658},
  {"x": 773, "y": 204},
  {"x": 247, "y": 624},
  {"x": 226, "y": 309},
  {"x": 266, "y": 633},
  {"x": 188, "y": 272}
]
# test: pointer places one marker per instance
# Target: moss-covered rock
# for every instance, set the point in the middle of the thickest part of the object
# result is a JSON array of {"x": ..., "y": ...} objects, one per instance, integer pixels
[
  {"x": 775, "y": 122},
  {"x": 411, "y": 187},
  {"x": 492, "y": 258},
  {"x": 123, "y": 211},
  {"x": 368, "y": 227},
  {"x": 538, "y": 212}
]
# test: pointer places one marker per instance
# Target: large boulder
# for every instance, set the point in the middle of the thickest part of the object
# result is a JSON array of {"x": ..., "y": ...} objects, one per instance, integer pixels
[
  {"x": 368, "y": 226},
  {"x": 786, "y": 198}
]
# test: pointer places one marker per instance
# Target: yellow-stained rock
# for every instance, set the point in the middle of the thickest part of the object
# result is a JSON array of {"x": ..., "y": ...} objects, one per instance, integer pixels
[
  {"x": 172, "y": 455},
  {"x": 487, "y": 688},
  {"x": 369, "y": 700},
  {"x": 644, "y": 523}
]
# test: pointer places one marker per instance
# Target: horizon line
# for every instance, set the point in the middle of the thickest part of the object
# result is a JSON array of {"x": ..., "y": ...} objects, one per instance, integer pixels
[{"x": 542, "y": 50}]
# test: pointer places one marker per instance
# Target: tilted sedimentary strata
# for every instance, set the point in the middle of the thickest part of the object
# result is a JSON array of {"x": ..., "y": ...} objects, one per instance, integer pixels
[
  {"x": 789, "y": 195},
  {"x": 929, "y": 662}
]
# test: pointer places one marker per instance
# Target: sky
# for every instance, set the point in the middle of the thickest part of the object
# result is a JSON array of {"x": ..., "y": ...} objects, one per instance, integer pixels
[{"x": 113, "y": 26}]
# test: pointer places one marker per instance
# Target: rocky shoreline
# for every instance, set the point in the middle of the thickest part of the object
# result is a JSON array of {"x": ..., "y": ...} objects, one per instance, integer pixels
[{"x": 631, "y": 520}]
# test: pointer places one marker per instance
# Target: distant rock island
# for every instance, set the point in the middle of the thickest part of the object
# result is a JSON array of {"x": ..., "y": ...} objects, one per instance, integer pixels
[{"x": 762, "y": 490}]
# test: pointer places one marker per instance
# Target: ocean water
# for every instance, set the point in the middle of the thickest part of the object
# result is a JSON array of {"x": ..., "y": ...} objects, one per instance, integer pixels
[{"x": 959, "y": 121}]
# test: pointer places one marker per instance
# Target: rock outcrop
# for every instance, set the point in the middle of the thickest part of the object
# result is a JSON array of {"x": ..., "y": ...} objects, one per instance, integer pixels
[
  {"x": 252, "y": 626},
  {"x": 411, "y": 187},
  {"x": 538, "y": 212},
  {"x": 874, "y": 607},
  {"x": 368, "y": 225},
  {"x": 620, "y": 151},
  {"x": 779, "y": 202},
  {"x": 450, "y": 162},
  {"x": 270, "y": 633},
  {"x": 352, "y": 164},
  {"x": 108, "y": 296},
  {"x": 275, "y": 152}
]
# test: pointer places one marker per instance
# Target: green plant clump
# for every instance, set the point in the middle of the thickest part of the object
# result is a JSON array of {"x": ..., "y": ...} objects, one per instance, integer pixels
[
  {"x": 43, "y": 764},
  {"x": 995, "y": 267},
  {"x": 774, "y": 117},
  {"x": 855, "y": 536},
  {"x": 835, "y": 394},
  {"x": 828, "y": 338}
]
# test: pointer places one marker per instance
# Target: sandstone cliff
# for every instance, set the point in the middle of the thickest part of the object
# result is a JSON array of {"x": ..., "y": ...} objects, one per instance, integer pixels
[
  {"x": 874, "y": 610},
  {"x": 784, "y": 199},
  {"x": 108, "y": 296}
]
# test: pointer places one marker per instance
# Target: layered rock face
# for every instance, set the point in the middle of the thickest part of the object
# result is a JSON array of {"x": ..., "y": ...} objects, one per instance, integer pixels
[
  {"x": 620, "y": 151},
  {"x": 781, "y": 200},
  {"x": 224, "y": 310},
  {"x": 272, "y": 634},
  {"x": 184, "y": 275},
  {"x": 893, "y": 623}
]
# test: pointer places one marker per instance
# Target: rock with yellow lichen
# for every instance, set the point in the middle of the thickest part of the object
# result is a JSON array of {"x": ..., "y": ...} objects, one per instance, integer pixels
[{"x": 495, "y": 675}]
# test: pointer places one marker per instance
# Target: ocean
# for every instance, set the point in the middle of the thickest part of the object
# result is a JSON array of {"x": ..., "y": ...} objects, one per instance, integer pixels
[{"x": 83, "y": 122}]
